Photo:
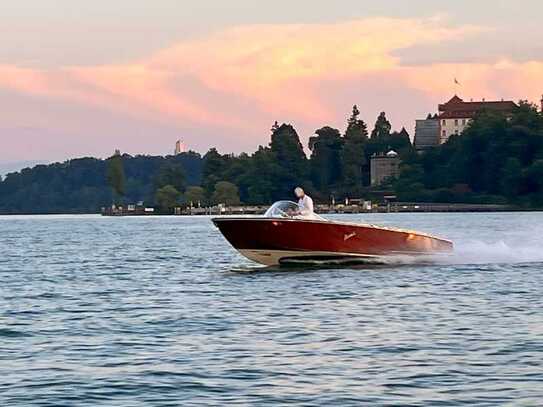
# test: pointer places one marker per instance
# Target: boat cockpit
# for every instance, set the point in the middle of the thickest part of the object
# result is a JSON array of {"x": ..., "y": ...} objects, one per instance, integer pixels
[{"x": 289, "y": 210}]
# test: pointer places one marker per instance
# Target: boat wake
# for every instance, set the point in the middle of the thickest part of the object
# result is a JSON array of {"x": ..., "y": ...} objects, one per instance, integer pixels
[
  {"x": 474, "y": 252},
  {"x": 500, "y": 252},
  {"x": 469, "y": 253}
]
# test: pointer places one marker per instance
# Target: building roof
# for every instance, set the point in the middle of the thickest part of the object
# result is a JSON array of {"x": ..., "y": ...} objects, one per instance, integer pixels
[
  {"x": 404, "y": 133},
  {"x": 456, "y": 108}
]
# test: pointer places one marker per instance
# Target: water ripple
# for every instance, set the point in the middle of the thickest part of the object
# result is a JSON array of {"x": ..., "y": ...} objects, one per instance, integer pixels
[{"x": 160, "y": 311}]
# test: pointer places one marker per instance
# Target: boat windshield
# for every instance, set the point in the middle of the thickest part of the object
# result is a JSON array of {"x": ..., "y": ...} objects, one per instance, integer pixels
[{"x": 288, "y": 209}]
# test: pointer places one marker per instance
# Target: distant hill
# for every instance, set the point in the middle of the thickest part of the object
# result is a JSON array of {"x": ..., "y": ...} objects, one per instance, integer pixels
[
  {"x": 7, "y": 167},
  {"x": 80, "y": 185}
]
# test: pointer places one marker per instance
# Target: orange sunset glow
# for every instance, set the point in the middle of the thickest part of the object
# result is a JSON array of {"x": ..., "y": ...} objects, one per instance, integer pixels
[{"x": 225, "y": 85}]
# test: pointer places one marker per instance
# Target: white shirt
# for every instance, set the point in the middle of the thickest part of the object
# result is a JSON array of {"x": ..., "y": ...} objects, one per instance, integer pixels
[{"x": 305, "y": 204}]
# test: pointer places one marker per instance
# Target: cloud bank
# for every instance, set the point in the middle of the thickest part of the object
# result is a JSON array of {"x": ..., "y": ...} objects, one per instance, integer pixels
[{"x": 225, "y": 89}]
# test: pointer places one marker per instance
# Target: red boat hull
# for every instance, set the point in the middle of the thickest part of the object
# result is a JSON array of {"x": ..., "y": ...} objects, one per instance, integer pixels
[{"x": 272, "y": 241}]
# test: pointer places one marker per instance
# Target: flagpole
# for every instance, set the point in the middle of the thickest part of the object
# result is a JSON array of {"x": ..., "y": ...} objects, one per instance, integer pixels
[{"x": 456, "y": 87}]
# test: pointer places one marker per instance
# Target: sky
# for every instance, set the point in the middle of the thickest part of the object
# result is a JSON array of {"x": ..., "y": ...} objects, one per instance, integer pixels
[{"x": 81, "y": 78}]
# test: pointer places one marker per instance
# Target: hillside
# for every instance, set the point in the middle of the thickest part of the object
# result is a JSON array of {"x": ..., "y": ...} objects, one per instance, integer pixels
[{"x": 80, "y": 185}]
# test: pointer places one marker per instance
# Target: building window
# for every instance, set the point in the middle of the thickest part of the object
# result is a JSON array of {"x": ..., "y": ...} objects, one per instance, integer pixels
[
  {"x": 456, "y": 132},
  {"x": 444, "y": 122},
  {"x": 463, "y": 122},
  {"x": 444, "y": 134},
  {"x": 456, "y": 122}
]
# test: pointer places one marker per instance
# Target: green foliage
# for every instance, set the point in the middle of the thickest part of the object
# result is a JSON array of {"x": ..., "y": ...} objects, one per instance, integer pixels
[
  {"x": 171, "y": 174},
  {"x": 356, "y": 128},
  {"x": 497, "y": 159},
  {"x": 115, "y": 175},
  {"x": 167, "y": 197},
  {"x": 288, "y": 152},
  {"x": 382, "y": 127},
  {"x": 326, "y": 149},
  {"x": 269, "y": 174},
  {"x": 81, "y": 186},
  {"x": 214, "y": 168},
  {"x": 258, "y": 185},
  {"x": 354, "y": 163},
  {"x": 226, "y": 193},
  {"x": 399, "y": 142},
  {"x": 512, "y": 177},
  {"x": 195, "y": 196}
]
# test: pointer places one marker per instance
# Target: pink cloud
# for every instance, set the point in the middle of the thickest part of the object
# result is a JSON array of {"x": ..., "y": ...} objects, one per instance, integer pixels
[
  {"x": 503, "y": 79},
  {"x": 235, "y": 83}
]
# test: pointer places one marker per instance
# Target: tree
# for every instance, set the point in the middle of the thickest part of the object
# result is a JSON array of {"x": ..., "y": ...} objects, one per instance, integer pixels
[
  {"x": 353, "y": 159},
  {"x": 195, "y": 196},
  {"x": 260, "y": 179},
  {"x": 115, "y": 175},
  {"x": 512, "y": 175},
  {"x": 171, "y": 174},
  {"x": 353, "y": 167},
  {"x": 534, "y": 182},
  {"x": 82, "y": 185},
  {"x": 289, "y": 154},
  {"x": 382, "y": 127},
  {"x": 356, "y": 128},
  {"x": 498, "y": 158},
  {"x": 226, "y": 193},
  {"x": 326, "y": 149},
  {"x": 213, "y": 170},
  {"x": 399, "y": 141},
  {"x": 167, "y": 197}
]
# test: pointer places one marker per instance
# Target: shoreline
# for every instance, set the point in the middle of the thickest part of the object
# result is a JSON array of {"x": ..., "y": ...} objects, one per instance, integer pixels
[{"x": 259, "y": 210}]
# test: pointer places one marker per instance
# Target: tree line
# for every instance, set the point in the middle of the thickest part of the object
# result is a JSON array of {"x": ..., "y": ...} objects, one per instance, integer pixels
[
  {"x": 337, "y": 163},
  {"x": 84, "y": 185},
  {"x": 497, "y": 159}
]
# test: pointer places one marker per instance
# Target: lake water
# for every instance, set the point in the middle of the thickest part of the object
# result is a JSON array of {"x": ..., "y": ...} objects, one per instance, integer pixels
[{"x": 161, "y": 311}]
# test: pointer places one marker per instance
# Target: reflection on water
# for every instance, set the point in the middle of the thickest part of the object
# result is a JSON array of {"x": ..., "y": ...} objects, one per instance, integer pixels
[{"x": 161, "y": 311}]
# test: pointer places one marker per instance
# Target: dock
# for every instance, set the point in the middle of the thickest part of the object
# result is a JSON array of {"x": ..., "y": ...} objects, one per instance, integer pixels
[{"x": 240, "y": 210}]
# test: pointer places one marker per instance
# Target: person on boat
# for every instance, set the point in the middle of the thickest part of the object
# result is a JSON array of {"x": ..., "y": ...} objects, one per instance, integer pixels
[{"x": 305, "y": 204}]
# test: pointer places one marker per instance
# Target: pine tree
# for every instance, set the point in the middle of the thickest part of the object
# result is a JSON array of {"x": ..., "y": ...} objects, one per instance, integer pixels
[
  {"x": 353, "y": 159},
  {"x": 382, "y": 127},
  {"x": 289, "y": 154},
  {"x": 356, "y": 128}
]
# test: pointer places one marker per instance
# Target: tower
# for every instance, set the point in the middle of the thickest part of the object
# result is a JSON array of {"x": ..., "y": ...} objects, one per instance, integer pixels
[{"x": 179, "y": 147}]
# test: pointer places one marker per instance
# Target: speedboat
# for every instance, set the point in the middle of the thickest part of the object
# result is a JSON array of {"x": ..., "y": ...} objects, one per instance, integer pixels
[{"x": 282, "y": 236}]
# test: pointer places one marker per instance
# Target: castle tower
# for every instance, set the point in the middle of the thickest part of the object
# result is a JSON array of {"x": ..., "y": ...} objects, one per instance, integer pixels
[{"x": 179, "y": 147}]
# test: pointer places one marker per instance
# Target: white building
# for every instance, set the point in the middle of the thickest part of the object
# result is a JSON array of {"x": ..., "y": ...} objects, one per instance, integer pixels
[
  {"x": 455, "y": 115},
  {"x": 451, "y": 126}
]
